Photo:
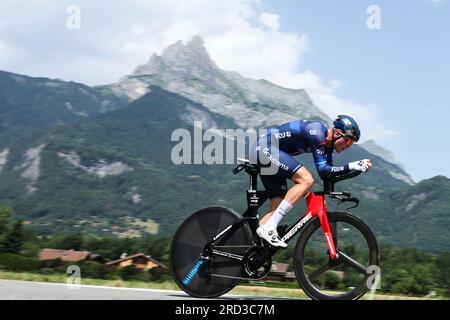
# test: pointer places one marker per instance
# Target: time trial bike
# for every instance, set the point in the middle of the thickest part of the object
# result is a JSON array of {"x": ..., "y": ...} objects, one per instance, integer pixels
[{"x": 335, "y": 256}]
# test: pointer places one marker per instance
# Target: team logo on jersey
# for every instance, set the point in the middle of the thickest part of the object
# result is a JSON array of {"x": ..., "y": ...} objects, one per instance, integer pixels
[
  {"x": 282, "y": 135},
  {"x": 274, "y": 160}
]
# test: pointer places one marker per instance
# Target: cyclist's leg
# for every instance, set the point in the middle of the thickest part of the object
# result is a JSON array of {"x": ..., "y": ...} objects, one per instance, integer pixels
[
  {"x": 285, "y": 167},
  {"x": 274, "y": 203},
  {"x": 276, "y": 188},
  {"x": 303, "y": 182},
  {"x": 269, "y": 223},
  {"x": 275, "y": 184}
]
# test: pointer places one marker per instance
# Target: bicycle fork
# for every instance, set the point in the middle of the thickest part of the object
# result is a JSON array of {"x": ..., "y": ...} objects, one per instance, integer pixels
[{"x": 317, "y": 205}]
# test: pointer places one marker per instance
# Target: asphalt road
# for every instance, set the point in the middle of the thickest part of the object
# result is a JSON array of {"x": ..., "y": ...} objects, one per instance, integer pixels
[{"x": 25, "y": 290}]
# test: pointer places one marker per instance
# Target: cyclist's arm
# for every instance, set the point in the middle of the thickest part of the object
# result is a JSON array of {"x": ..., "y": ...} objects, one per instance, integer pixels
[
  {"x": 315, "y": 134},
  {"x": 324, "y": 164}
]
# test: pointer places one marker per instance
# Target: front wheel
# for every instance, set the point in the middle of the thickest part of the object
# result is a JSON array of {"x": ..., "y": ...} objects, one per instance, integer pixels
[{"x": 348, "y": 277}]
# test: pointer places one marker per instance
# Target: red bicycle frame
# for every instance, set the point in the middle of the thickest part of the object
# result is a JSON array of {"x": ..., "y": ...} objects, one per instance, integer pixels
[{"x": 317, "y": 206}]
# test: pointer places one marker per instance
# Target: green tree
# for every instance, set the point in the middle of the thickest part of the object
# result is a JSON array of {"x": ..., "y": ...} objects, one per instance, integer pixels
[
  {"x": 16, "y": 262},
  {"x": 13, "y": 241},
  {"x": 90, "y": 269},
  {"x": 5, "y": 219},
  {"x": 128, "y": 273},
  {"x": 30, "y": 249},
  {"x": 443, "y": 265},
  {"x": 331, "y": 280},
  {"x": 72, "y": 241}
]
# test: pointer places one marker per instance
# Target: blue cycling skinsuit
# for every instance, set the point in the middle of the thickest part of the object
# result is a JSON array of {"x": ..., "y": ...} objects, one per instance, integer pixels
[{"x": 279, "y": 144}]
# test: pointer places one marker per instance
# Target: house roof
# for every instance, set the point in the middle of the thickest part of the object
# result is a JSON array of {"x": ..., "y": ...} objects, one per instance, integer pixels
[
  {"x": 159, "y": 264},
  {"x": 65, "y": 255}
]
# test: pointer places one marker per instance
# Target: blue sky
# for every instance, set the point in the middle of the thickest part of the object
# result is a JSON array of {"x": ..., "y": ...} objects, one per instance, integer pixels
[
  {"x": 394, "y": 81},
  {"x": 403, "y": 68}
]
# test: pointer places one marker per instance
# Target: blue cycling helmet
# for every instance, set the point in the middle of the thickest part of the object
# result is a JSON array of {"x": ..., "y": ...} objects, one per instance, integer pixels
[{"x": 348, "y": 127}]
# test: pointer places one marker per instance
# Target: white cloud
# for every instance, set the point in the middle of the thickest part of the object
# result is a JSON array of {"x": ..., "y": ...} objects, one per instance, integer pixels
[
  {"x": 121, "y": 34},
  {"x": 117, "y": 36},
  {"x": 256, "y": 52},
  {"x": 270, "y": 20}
]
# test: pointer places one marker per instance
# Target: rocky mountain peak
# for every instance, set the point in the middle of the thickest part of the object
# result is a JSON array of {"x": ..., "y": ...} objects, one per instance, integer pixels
[
  {"x": 186, "y": 68},
  {"x": 190, "y": 57}
]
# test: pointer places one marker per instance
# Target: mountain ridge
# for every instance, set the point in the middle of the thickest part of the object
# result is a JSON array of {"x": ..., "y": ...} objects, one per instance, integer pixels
[
  {"x": 187, "y": 69},
  {"x": 112, "y": 173}
]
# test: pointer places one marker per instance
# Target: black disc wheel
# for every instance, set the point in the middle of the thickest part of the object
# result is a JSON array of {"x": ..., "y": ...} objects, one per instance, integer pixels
[
  {"x": 216, "y": 275},
  {"x": 349, "y": 276}
]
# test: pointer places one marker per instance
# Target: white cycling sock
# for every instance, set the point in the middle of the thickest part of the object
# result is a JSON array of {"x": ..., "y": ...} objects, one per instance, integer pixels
[{"x": 279, "y": 213}]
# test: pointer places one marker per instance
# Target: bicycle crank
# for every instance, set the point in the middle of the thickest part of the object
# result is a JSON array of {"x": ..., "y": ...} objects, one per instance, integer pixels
[{"x": 257, "y": 262}]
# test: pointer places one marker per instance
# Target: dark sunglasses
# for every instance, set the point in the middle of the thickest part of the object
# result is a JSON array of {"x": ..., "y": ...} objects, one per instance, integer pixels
[{"x": 348, "y": 138}]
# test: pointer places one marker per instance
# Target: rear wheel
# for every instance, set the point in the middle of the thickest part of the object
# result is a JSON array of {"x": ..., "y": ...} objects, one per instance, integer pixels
[
  {"x": 189, "y": 242},
  {"x": 352, "y": 274}
]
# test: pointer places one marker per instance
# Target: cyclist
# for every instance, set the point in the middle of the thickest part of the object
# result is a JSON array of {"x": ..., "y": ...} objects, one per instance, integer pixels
[{"x": 276, "y": 148}]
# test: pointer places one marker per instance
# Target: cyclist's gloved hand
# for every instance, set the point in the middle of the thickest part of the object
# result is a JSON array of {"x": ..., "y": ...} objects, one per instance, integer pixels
[{"x": 361, "y": 165}]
